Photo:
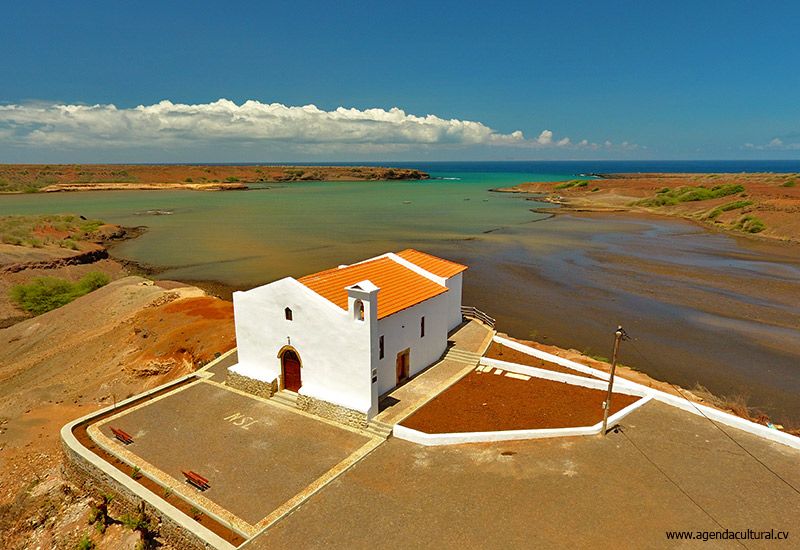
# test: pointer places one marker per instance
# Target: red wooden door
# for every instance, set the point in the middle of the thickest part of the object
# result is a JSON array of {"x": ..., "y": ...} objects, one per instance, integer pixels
[
  {"x": 291, "y": 371},
  {"x": 402, "y": 366}
]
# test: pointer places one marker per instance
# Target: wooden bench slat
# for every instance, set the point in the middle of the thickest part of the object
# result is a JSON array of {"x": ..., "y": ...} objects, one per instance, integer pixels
[
  {"x": 122, "y": 435},
  {"x": 196, "y": 479}
]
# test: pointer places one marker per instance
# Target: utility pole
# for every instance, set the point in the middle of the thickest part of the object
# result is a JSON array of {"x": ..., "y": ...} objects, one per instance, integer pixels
[{"x": 619, "y": 335}]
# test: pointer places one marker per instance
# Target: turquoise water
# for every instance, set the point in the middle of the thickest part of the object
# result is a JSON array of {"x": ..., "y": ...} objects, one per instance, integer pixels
[
  {"x": 702, "y": 307},
  {"x": 248, "y": 238}
]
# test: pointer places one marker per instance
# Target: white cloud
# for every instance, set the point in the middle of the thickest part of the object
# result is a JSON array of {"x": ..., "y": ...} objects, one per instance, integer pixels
[
  {"x": 223, "y": 121},
  {"x": 775, "y": 144},
  {"x": 545, "y": 138}
]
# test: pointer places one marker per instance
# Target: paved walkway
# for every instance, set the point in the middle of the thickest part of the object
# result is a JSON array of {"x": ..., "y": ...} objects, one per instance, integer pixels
[
  {"x": 219, "y": 371},
  {"x": 671, "y": 470},
  {"x": 469, "y": 341}
]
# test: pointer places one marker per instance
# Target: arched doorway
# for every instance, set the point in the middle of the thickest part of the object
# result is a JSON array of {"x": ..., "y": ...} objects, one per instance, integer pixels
[{"x": 290, "y": 368}]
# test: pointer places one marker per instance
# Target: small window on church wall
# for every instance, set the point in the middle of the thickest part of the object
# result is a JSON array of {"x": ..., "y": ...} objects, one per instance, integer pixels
[
  {"x": 422, "y": 327},
  {"x": 288, "y": 313},
  {"x": 380, "y": 347},
  {"x": 359, "y": 310}
]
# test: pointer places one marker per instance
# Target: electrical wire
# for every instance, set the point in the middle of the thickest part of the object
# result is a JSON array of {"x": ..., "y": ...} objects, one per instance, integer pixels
[
  {"x": 621, "y": 430},
  {"x": 729, "y": 436}
]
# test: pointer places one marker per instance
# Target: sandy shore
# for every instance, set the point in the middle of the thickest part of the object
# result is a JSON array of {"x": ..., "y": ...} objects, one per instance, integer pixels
[{"x": 763, "y": 206}]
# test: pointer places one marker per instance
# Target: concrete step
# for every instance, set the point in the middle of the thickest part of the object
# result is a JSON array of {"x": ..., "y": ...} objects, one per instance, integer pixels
[
  {"x": 461, "y": 351},
  {"x": 379, "y": 429},
  {"x": 286, "y": 397},
  {"x": 462, "y": 356}
]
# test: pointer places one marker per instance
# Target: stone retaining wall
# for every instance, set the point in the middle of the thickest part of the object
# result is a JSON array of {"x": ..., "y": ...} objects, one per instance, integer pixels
[
  {"x": 94, "y": 481},
  {"x": 333, "y": 412},
  {"x": 251, "y": 385}
]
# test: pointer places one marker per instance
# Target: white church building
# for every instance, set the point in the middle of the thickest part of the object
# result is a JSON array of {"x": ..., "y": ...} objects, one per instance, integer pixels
[{"x": 342, "y": 337}]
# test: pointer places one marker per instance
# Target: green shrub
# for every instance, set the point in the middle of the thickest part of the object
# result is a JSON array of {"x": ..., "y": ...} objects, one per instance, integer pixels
[
  {"x": 789, "y": 183},
  {"x": 750, "y": 224},
  {"x": 85, "y": 543},
  {"x": 135, "y": 522},
  {"x": 44, "y": 294},
  {"x": 68, "y": 243},
  {"x": 231, "y": 179},
  {"x": 572, "y": 183},
  {"x": 188, "y": 180},
  {"x": 726, "y": 208},
  {"x": 667, "y": 197}
]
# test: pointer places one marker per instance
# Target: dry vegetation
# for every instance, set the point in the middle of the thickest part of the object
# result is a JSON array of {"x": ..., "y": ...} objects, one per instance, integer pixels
[
  {"x": 63, "y": 230},
  {"x": 33, "y": 178},
  {"x": 767, "y": 205}
]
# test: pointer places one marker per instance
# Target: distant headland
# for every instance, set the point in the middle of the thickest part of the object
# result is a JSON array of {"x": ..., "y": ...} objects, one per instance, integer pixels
[
  {"x": 750, "y": 204},
  {"x": 48, "y": 178}
]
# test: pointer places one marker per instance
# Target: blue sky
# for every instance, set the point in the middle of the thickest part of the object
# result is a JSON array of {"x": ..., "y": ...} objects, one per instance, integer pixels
[{"x": 579, "y": 80}]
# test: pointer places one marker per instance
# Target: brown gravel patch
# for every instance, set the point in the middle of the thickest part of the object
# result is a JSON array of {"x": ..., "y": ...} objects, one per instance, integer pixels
[
  {"x": 510, "y": 355},
  {"x": 485, "y": 402}
]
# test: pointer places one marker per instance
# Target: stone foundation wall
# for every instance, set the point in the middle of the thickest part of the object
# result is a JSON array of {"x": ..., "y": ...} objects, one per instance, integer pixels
[
  {"x": 90, "y": 479},
  {"x": 333, "y": 412},
  {"x": 251, "y": 385}
]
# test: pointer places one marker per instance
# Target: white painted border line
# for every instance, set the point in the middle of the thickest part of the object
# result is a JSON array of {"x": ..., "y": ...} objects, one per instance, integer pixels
[
  {"x": 561, "y": 377},
  {"x": 680, "y": 402},
  {"x": 430, "y": 440}
]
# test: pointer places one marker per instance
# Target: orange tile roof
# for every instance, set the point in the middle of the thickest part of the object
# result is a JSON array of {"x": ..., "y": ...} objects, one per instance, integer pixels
[
  {"x": 400, "y": 287},
  {"x": 432, "y": 264}
]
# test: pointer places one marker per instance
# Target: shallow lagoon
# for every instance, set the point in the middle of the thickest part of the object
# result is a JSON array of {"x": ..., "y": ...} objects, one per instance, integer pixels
[{"x": 702, "y": 307}]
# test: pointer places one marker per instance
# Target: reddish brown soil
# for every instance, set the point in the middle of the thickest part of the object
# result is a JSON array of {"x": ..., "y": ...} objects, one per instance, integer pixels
[
  {"x": 773, "y": 203},
  {"x": 486, "y": 402},
  {"x": 510, "y": 355}
]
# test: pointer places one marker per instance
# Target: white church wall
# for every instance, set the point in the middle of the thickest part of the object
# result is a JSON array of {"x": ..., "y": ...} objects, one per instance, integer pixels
[
  {"x": 454, "y": 300},
  {"x": 334, "y": 348},
  {"x": 402, "y": 331}
]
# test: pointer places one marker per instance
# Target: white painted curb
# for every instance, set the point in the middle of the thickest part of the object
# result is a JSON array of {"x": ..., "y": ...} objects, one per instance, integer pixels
[
  {"x": 554, "y": 376},
  {"x": 673, "y": 400},
  {"x": 422, "y": 438}
]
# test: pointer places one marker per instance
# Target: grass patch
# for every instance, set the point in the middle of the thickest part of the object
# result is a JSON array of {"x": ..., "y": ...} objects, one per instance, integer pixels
[
  {"x": 44, "y": 294},
  {"x": 572, "y": 183},
  {"x": 669, "y": 197},
  {"x": 735, "y": 205},
  {"x": 37, "y": 231},
  {"x": 85, "y": 543},
  {"x": 789, "y": 183},
  {"x": 750, "y": 224}
]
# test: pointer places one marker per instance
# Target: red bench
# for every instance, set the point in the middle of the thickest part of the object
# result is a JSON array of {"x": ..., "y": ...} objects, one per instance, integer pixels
[
  {"x": 196, "y": 479},
  {"x": 122, "y": 435}
]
